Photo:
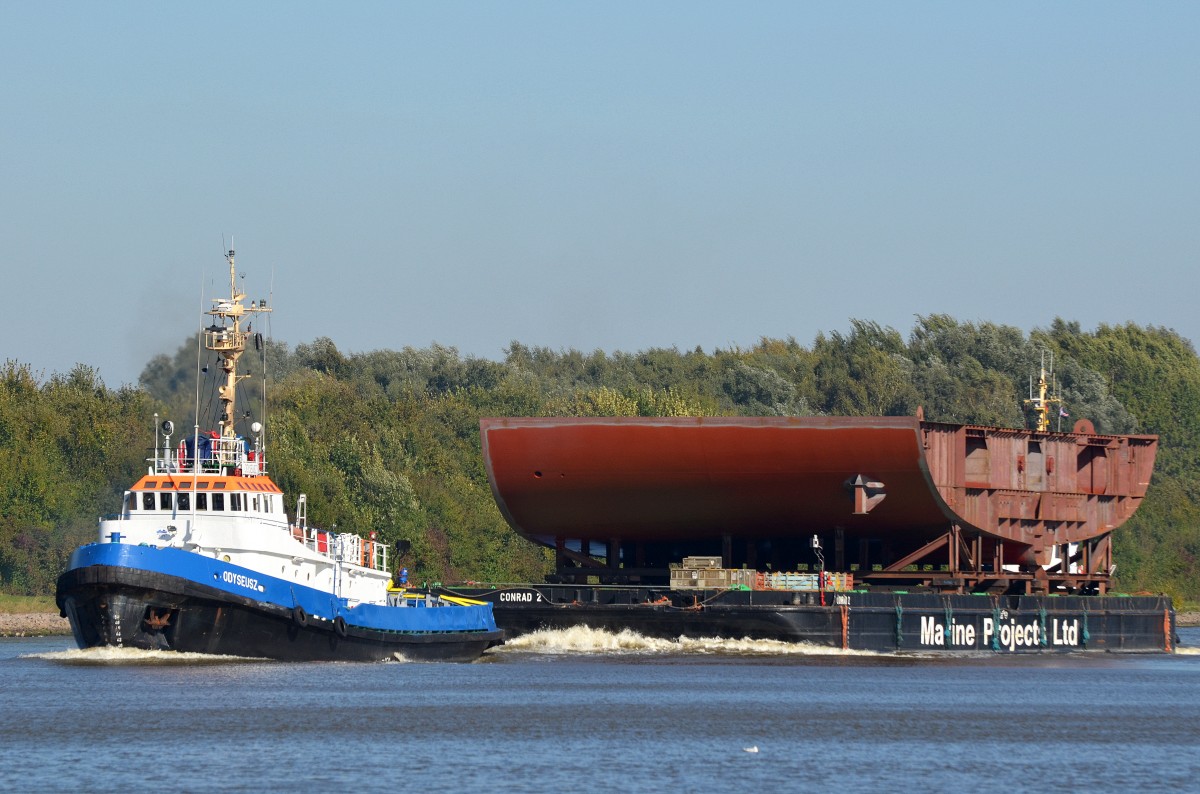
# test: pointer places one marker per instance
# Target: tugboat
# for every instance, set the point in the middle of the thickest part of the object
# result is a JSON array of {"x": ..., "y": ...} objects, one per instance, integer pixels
[{"x": 203, "y": 557}]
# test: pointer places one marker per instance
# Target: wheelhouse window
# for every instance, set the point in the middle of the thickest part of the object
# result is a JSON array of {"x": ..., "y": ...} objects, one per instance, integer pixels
[
  {"x": 201, "y": 501},
  {"x": 130, "y": 501},
  {"x": 218, "y": 501},
  {"x": 184, "y": 501},
  {"x": 147, "y": 501},
  {"x": 164, "y": 501},
  {"x": 235, "y": 501}
]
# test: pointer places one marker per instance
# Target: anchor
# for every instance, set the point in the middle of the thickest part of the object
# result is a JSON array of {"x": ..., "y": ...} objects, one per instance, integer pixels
[{"x": 156, "y": 623}]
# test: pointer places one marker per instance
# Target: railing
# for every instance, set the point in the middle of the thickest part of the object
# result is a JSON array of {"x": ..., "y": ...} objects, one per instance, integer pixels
[
  {"x": 345, "y": 547},
  {"x": 364, "y": 552},
  {"x": 225, "y": 456},
  {"x": 225, "y": 339}
]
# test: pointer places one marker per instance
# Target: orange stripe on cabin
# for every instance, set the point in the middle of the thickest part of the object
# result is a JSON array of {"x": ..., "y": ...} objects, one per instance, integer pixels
[{"x": 165, "y": 482}]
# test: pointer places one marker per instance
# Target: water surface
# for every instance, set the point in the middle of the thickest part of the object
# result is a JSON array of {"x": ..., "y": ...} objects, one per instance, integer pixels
[{"x": 584, "y": 711}]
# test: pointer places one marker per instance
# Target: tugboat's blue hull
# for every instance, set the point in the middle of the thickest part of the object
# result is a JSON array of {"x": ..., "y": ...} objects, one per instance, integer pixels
[{"x": 144, "y": 597}]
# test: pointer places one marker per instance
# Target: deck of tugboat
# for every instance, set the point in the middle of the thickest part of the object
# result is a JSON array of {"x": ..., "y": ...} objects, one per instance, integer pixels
[
  {"x": 214, "y": 526},
  {"x": 214, "y": 500},
  {"x": 248, "y": 498},
  {"x": 210, "y": 481}
]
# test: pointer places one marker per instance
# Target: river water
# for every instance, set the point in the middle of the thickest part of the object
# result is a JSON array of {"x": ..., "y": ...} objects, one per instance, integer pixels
[{"x": 580, "y": 711}]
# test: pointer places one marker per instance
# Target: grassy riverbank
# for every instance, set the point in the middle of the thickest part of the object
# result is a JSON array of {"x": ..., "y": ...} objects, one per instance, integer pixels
[
  {"x": 12, "y": 604},
  {"x": 30, "y": 616}
]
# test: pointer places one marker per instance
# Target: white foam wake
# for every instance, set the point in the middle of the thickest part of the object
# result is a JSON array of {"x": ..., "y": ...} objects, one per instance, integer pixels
[
  {"x": 133, "y": 656},
  {"x": 582, "y": 639}
]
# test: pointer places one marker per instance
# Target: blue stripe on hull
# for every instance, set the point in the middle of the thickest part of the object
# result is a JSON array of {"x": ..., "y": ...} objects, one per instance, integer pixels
[{"x": 246, "y": 583}]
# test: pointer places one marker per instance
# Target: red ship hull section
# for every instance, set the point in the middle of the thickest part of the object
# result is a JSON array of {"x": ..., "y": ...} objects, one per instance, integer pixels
[{"x": 687, "y": 478}]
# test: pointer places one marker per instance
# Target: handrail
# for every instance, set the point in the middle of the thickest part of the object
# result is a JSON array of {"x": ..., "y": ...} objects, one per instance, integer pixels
[
  {"x": 342, "y": 546},
  {"x": 229, "y": 456}
]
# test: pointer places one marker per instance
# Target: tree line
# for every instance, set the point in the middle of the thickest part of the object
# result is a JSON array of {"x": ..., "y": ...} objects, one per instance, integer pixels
[{"x": 388, "y": 440}]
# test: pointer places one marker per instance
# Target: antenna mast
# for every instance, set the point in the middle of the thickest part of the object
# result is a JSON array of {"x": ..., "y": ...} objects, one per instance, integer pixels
[
  {"x": 1044, "y": 399},
  {"x": 228, "y": 340}
]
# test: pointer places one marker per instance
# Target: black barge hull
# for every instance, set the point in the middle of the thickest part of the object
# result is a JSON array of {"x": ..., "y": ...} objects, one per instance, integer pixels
[
  {"x": 881, "y": 622},
  {"x": 122, "y": 607}
]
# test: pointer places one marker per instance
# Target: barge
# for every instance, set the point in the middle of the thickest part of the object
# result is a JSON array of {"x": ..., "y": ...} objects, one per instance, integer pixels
[
  {"x": 872, "y": 533},
  {"x": 884, "y": 622}
]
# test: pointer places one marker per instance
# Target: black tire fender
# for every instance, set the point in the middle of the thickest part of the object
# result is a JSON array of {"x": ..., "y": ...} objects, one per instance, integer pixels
[
  {"x": 299, "y": 616},
  {"x": 339, "y": 625}
]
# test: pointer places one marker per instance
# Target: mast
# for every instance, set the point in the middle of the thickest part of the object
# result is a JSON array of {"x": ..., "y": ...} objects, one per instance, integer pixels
[
  {"x": 227, "y": 339},
  {"x": 1041, "y": 404}
]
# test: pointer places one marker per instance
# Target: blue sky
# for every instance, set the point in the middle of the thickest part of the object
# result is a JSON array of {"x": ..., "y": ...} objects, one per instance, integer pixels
[{"x": 614, "y": 176}]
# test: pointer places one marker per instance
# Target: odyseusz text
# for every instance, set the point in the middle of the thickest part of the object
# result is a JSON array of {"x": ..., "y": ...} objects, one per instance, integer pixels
[
  {"x": 241, "y": 581},
  {"x": 1010, "y": 634}
]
